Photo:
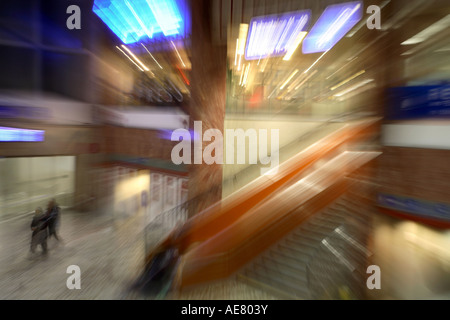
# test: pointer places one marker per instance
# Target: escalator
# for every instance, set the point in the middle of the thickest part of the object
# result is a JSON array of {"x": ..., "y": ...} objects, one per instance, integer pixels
[{"x": 227, "y": 238}]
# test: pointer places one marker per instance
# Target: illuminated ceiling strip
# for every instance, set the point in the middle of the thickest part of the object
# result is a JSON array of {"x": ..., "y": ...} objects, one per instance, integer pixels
[
  {"x": 356, "y": 86},
  {"x": 289, "y": 79},
  {"x": 140, "y": 20},
  {"x": 428, "y": 32},
  {"x": 334, "y": 23},
  {"x": 152, "y": 56},
  {"x": 179, "y": 57},
  {"x": 340, "y": 84},
  {"x": 274, "y": 35},
  {"x": 130, "y": 59},
  {"x": 336, "y": 26},
  {"x": 148, "y": 33},
  {"x": 136, "y": 58},
  {"x": 307, "y": 70},
  {"x": 295, "y": 45},
  {"x": 167, "y": 15},
  {"x": 243, "y": 31}
]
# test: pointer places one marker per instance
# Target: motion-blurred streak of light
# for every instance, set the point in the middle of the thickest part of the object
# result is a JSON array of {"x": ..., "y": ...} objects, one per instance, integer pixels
[
  {"x": 353, "y": 88},
  {"x": 427, "y": 33},
  {"x": 136, "y": 58},
  {"x": 244, "y": 82},
  {"x": 236, "y": 54},
  {"x": 350, "y": 61},
  {"x": 151, "y": 56},
  {"x": 289, "y": 79},
  {"x": 306, "y": 79},
  {"x": 356, "y": 75},
  {"x": 315, "y": 62},
  {"x": 179, "y": 57},
  {"x": 185, "y": 79},
  {"x": 295, "y": 45},
  {"x": 130, "y": 59}
]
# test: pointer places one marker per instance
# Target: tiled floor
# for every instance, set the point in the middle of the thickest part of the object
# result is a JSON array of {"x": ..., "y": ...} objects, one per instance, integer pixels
[{"x": 109, "y": 254}]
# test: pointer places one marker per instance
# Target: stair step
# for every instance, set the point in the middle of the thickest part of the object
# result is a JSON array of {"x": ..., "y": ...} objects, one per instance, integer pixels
[
  {"x": 290, "y": 257},
  {"x": 298, "y": 276},
  {"x": 314, "y": 235},
  {"x": 298, "y": 249},
  {"x": 282, "y": 264},
  {"x": 280, "y": 284}
]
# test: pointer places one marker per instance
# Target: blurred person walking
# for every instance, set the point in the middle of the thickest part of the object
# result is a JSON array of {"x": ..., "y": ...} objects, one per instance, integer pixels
[
  {"x": 39, "y": 227},
  {"x": 54, "y": 219}
]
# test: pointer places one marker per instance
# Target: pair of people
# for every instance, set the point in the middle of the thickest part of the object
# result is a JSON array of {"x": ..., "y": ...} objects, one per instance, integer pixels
[{"x": 44, "y": 225}]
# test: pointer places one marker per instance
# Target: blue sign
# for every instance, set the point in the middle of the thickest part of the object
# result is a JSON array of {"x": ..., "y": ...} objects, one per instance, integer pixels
[
  {"x": 418, "y": 102},
  {"x": 8, "y": 134},
  {"x": 274, "y": 35},
  {"x": 332, "y": 26},
  {"x": 15, "y": 112},
  {"x": 138, "y": 20},
  {"x": 421, "y": 208}
]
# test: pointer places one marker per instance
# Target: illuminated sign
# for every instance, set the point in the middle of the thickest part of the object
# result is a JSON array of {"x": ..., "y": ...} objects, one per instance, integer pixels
[
  {"x": 275, "y": 35},
  {"x": 411, "y": 207},
  {"x": 8, "y": 134},
  {"x": 138, "y": 20},
  {"x": 332, "y": 26}
]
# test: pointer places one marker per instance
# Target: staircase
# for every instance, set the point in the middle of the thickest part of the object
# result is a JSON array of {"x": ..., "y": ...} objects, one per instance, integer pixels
[{"x": 324, "y": 258}]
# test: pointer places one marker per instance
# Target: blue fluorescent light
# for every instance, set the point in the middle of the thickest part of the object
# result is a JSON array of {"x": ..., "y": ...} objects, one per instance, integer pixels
[
  {"x": 274, "y": 35},
  {"x": 8, "y": 134},
  {"x": 332, "y": 26},
  {"x": 138, "y": 20}
]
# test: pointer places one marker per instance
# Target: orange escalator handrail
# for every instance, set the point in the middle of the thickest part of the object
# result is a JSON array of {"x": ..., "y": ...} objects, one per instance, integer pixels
[
  {"x": 222, "y": 214},
  {"x": 266, "y": 223}
]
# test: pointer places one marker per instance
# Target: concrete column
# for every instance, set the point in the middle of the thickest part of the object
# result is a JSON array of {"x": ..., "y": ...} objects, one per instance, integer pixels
[{"x": 208, "y": 95}]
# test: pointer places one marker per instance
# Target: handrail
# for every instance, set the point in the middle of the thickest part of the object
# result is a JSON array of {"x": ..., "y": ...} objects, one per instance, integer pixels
[
  {"x": 229, "y": 250},
  {"x": 221, "y": 215}
]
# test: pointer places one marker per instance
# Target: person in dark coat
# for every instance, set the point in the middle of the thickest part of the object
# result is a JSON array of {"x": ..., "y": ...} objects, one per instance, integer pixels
[
  {"x": 39, "y": 227},
  {"x": 54, "y": 217}
]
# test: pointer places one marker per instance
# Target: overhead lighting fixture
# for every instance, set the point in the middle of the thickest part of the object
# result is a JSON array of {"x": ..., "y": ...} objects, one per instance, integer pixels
[
  {"x": 130, "y": 59},
  {"x": 179, "y": 57},
  {"x": 332, "y": 26},
  {"x": 136, "y": 58},
  {"x": 152, "y": 56},
  {"x": 272, "y": 36},
  {"x": 289, "y": 79},
  {"x": 295, "y": 45},
  {"x": 138, "y": 20},
  {"x": 243, "y": 30},
  {"x": 429, "y": 32},
  {"x": 340, "y": 84}
]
